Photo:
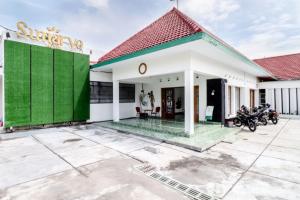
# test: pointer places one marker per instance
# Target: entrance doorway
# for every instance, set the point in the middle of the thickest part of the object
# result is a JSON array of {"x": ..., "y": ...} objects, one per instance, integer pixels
[
  {"x": 252, "y": 98},
  {"x": 168, "y": 103},
  {"x": 196, "y": 103},
  {"x": 173, "y": 103}
]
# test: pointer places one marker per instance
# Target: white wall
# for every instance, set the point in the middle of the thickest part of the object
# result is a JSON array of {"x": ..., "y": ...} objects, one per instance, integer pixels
[
  {"x": 270, "y": 97},
  {"x": 293, "y": 103},
  {"x": 235, "y": 78},
  {"x": 103, "y": 112},
  {"x": 178, "y": 62},
  {"x": 155, "y": 66},
  {"x": 285, "y": 99},
  {"x": 245, "y": 96},
  {"x": 177, "y": 80},
  {"x": 278, "y": 102},
  {"x": 215, "y": 68},
  {"x": 287, "y": 103},
  {"x": 167, "y": 81},
  {"x": 279, "y": 84}
]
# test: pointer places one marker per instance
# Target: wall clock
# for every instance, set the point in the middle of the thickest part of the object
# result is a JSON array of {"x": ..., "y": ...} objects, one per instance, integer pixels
[{"x": 142, "y": 68}]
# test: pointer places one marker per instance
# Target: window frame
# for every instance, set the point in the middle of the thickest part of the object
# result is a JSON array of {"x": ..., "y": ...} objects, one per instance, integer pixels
[{"x": 126, "y": 92}]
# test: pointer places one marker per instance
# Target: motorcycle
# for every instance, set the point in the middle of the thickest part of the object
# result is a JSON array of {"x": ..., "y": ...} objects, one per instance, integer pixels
[
  {"x": 261, "y": 113},
  {"x": 272, "y": 114},
  {"x": 244, "y": 117}
]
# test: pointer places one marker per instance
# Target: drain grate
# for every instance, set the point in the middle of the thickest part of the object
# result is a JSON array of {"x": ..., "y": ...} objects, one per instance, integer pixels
[{"x": 191, "y": 192}]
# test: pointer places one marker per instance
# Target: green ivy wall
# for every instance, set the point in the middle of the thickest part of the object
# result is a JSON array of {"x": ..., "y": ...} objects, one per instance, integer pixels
[{"x": 44, "y": 85}]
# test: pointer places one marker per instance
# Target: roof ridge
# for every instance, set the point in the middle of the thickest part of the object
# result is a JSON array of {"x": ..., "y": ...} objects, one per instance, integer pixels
[
  {"x": 143, "y": 29},
  {"x": 188, "y": 20},
  {"x": 192, "y": 25},
  {"x": 291, "y": 54}
]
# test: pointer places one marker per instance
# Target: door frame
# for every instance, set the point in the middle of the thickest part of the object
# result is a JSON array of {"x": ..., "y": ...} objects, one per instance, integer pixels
[
  {"x": 196, "y": 103},
  {"x": 163, "y": 103},
  {"x": 252, "y": 98}
]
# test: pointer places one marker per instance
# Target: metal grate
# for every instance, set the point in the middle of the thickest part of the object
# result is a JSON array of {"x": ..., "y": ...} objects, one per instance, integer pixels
[{"x": 190, "y": 192}]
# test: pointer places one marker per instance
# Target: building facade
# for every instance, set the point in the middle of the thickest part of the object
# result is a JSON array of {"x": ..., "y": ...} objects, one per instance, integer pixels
[
  {"x": 175, "y": 52},
  {"x": 282, "y": 91},
  {"x": 174, "y": 66}
]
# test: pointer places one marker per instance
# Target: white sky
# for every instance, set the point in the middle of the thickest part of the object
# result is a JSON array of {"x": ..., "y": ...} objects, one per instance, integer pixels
[{"x": 257, "y": 28}]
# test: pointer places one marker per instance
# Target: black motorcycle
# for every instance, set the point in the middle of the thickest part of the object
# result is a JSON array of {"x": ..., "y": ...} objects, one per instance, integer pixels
[
  {"x": 272, "y": 114},
  {"x": 244, "y": 117},
  {"x": 262, "y": 114}
]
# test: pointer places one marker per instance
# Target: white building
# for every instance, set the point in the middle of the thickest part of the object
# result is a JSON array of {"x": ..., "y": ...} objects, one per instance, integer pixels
[
  {"x": 182, "y": 63},
  {"x": 184, "y": 66},
  {"x": 284, "y": 92}
]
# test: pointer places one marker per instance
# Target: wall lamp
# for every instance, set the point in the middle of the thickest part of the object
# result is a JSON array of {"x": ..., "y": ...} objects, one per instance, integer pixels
[{"x": 213, "y": 93}]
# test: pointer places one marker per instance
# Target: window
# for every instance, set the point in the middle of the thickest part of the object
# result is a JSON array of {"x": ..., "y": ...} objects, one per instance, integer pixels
[
  {"x": 102, "y": 92},
  {"x": 229, "y": 100},
  {"x": 237, "y": 98},
  {"x": 127, "y": 93},
  {"x": 262, "y": 96}
]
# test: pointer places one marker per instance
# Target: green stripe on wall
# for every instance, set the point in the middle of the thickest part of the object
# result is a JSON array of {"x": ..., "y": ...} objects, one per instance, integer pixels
[
  {"x": 81, "y": 87},
  {"x": 17, "y": 83},
  {"x": 41, "y": 85},
  {"x": 63, "y": 86},
  {"x": 44, "y": 86}
]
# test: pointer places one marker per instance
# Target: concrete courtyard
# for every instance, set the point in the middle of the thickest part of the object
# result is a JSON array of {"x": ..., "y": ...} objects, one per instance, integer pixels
[{"x": 100, "y": 163}]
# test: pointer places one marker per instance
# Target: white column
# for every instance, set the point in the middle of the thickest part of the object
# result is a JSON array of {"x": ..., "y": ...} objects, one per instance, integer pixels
[
  {"x": 233, "y": 103},
  {"x": 256, "y": 97},
  {"x": 116, "y": 106},
  {"x": 267, "y": 96},
  {"x": 202, "y": 98},
  {"x": 279, "y": 103},
  {"x": 189, "y": 101},
  {"x": 227, "y": 111},
  {"x": 245, "y": 96},
  {"x": 271, "y": 98}
]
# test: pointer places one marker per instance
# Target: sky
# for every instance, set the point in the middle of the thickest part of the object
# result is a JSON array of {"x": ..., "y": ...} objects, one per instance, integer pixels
[{"x": 257, "y": 28}]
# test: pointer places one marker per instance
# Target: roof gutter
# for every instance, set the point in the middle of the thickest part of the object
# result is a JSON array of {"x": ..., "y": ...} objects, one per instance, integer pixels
[
  {"x": 166, "y": 45},
  {"x": 197, "y": 36}
]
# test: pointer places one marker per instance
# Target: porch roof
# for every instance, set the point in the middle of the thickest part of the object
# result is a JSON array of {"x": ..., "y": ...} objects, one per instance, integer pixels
[
  {"x": 172, "y": 29},
  {"x": 284, "y": 67}
]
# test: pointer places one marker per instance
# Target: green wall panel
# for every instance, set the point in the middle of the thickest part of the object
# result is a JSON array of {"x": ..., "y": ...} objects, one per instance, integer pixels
[
  {"x": 81, "y": 87},
  {"x": 17, "y": 83},
  {"x": 44, "y": 86},
  {"x": 63, "y": 86},
  {"x": 41, "y": 85}
]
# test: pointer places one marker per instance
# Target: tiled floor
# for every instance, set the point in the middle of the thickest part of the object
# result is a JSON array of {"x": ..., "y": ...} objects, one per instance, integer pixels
[
  {"x": 205, "y": 136},
  {"x": 94, "y": 162}
]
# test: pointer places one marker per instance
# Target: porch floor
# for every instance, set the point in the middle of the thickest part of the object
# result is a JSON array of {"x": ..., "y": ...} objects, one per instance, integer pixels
[{"x": 171, "y": 131}]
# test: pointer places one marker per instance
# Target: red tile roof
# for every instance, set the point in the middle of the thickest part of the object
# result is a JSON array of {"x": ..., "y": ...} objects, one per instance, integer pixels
[
  {"x": 286, "y": 67},
  {"x": 173, "y": 25}
]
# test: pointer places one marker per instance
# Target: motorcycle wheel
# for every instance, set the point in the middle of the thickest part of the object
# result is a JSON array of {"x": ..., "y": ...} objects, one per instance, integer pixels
[
  {"x": 274, "y": 120},
  {"x": 237, "y": 122},
  {"x": 264, "y": 121},
  {"x": 252, "y": 126}
]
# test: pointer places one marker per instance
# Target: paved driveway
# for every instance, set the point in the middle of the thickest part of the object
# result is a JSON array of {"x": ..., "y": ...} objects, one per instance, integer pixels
[{"x": 99, "y": 163}]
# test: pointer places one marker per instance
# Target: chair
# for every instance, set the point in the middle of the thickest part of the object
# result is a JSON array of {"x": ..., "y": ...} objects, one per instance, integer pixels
[
  {"x": 138, "y": 111},
  {"x": 157, "y": 111}
]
